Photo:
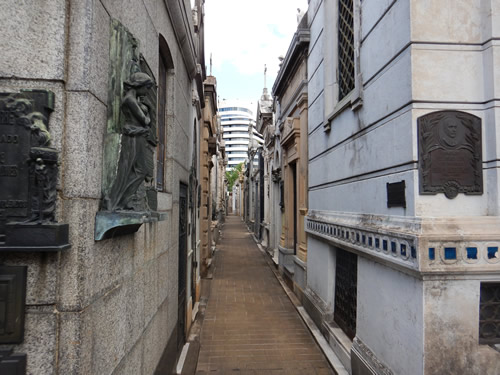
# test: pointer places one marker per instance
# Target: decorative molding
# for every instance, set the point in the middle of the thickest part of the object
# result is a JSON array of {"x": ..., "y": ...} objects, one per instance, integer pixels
[
  {"x": 481, "y": 255},
  {"x": 383, "y": 244},
  {"x": 451, "y": 245},
  {"x": 364, "y": 353}
]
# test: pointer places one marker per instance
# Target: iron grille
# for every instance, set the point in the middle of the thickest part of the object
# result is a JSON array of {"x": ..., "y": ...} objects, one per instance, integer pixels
[
  {"x": 182, "y": 237},
  {"x": 346, "y": 286},
  {"x": 489, "y": 314},
  {"x": 346, "y": 48}
]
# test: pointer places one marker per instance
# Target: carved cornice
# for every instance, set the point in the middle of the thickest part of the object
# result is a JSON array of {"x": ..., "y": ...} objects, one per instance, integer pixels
[
  {"x": 182, "y": 22},
  {"x": 296, "y": 52}
]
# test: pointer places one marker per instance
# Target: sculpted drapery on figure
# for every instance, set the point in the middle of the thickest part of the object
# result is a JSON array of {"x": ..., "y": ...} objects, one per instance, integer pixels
[
  {"x": 138, "y": 141},
  {"x": 129, "y": 196}
]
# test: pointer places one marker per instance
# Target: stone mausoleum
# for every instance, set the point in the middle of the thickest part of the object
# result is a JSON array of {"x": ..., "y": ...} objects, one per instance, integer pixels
[
  {"x": 403, "y": 265},
  {"x": 100, "y": 109}
]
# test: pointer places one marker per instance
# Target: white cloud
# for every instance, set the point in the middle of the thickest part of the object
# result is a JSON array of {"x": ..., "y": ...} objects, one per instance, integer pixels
[{"x": 249, "y": 34}]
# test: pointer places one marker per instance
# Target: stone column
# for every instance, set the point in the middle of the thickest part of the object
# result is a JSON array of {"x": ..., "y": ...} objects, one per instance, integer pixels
[{"x": 302, "y": 179}]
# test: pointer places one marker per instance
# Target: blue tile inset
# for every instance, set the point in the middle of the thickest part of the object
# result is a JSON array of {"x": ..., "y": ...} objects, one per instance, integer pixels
[
  {"x": 377, "y": 243},
  {"x": 471, "y": 253},
  {"x": 492, "y": 252},
  {"x": 450, "y": 253},
  {"x": 347, "y": 235},
  {"x": 384, "y": 244},
  {"x": 393, "y": 247},
  {"x": 403, "y": 249},
  {"x": 413, "y": 252},
  {"x": 370, "y": 241},
  {"x": 432, "y": 253},
  {"x": 363, "y": 239}
]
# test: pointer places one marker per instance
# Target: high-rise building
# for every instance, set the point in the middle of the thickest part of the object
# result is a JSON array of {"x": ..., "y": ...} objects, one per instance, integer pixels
[{"x": 238, "y": 126}]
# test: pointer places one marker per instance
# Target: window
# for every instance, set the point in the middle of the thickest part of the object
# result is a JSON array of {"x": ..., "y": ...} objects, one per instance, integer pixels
[
  {"x": 346, "y": 69},
  {"x": 162, "y": 102},
  {"x": 165, "y": 86},
  {"x": 489, "y": 314},
  {"x": 241, "y": 109},
  {"x": 346, "y": 286}
]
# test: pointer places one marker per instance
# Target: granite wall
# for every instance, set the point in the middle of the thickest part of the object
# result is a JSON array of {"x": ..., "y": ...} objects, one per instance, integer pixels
[{"x": 106, "y": 307}]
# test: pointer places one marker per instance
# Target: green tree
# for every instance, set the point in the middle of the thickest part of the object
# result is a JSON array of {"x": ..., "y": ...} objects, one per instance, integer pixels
[{"x": 232, "y": 175}]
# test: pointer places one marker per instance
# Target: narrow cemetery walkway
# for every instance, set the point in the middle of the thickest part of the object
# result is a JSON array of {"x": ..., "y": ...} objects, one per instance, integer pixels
[{"x": 250, "y": 325}]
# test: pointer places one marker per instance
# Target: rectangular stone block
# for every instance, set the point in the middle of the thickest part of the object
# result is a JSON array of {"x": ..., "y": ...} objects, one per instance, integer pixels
[
  {"x": 42, "y": 275},
  {"x": 40, "y": 340},
  {"x": 150, "y": 290},
  {"x": 460, "y": 21},
  {"x": 371, "y": 12},
  {"x": 83, "y": 155},
  {"x": 132, "y": 362},
  {"x": 110, "y": 331},
  {"x": 136, "y": 298},
  {"x": 155, "y": 340},
  {"x": 395, "y": 131},
  {"x": 34, "y": 34},
  {"x": 373, "y": 55},
  {"x": 397, "y": 298},
  {"x": 390, "y": 91},
  {"x": 75, "y": 343},
  {"x": 89, "y": 48},
  {"x": 459, "y": 71},
  {"x": 75, "y": 281},
  {"x": 164, "y": 276},
  {"x": 316, "y": 115}
]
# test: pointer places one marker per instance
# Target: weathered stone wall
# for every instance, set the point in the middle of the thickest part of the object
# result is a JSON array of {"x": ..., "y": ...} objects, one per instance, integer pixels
[{"x": 109, "y": 306}]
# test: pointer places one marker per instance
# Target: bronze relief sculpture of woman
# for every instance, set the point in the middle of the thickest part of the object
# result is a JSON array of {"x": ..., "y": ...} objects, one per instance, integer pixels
[{"x": 137, "y": 145}]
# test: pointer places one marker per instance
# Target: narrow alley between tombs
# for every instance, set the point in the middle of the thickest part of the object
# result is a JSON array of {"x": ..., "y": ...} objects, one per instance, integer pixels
[{"x": 250, "y": 324}]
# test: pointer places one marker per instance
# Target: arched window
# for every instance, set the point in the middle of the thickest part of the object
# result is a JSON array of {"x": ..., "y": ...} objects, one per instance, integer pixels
[{"x": 165, "y": 84}]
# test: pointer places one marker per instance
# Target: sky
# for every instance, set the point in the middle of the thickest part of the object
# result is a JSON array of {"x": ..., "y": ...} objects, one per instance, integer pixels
[{"x": 242, "y": 36}]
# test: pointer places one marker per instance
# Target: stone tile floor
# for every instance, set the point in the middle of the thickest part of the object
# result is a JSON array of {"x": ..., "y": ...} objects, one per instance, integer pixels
[{"x": 250, "y": 325}]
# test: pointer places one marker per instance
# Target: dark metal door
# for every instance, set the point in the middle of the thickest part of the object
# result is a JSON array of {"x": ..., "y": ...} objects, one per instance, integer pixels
[
  {"x": 192, "y": 229},
  {"x": 181, "y": 337},
  {"x": 294, "y": 187}
]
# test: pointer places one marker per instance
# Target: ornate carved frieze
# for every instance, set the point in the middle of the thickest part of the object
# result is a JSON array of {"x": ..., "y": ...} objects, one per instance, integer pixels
[
  {"x": 28, "y": 174},
  {"x": 425, "y": 245},
  {"x": 472, "y": 254},
  {"x": 449, "y": 145},
  {"x": 379, "y": 243},
  {"x": 129, "y": 195}
]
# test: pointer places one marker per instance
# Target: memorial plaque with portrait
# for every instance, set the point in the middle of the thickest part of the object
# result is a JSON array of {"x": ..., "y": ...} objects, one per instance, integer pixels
[{"x": 450, "y": 153}]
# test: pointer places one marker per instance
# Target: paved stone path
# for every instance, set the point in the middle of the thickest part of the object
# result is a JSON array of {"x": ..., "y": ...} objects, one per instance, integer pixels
[{"x": 250, "y": 325}]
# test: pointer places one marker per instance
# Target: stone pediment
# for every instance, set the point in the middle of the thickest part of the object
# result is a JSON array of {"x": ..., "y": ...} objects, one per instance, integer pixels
[{"x": 290, "y": 131}]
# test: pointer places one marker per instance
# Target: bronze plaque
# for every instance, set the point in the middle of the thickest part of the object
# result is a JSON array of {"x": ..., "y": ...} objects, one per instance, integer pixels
[
  {"x": 396, "y": 194},
  {"x": 450, "y": 153},
  {"x": 15, "y": 135},
  {"x": 12, "y": 303}
]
